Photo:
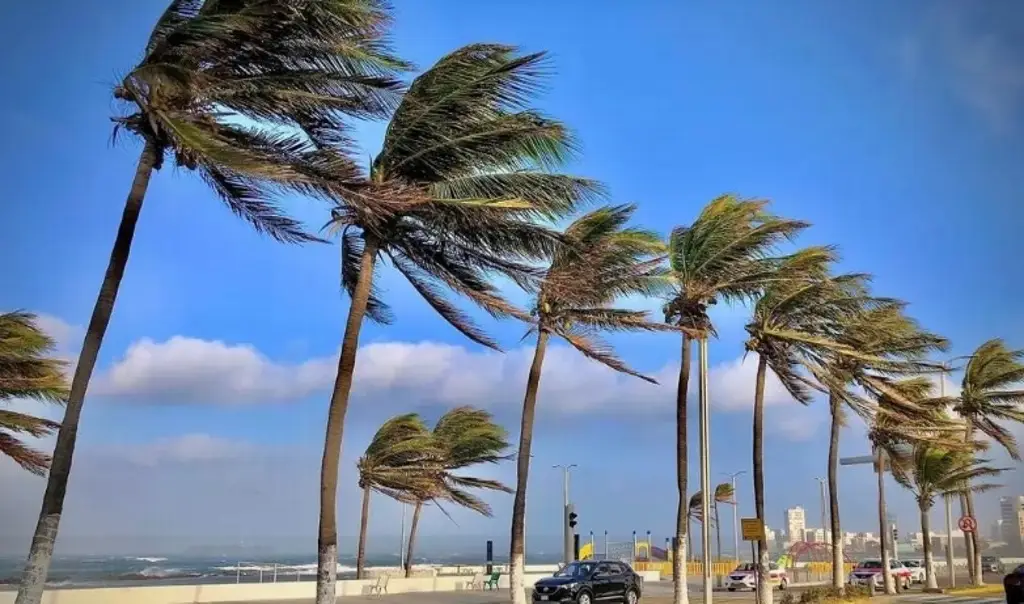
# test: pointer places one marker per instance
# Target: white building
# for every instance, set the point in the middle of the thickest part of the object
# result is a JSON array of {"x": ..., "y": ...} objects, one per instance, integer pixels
[
  {"x": 1011, "y": 513},
  {"x": 796, "y": 523}
]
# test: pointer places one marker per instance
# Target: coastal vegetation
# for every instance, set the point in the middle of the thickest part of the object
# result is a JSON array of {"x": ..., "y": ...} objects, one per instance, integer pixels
[{"x": 464, "y": 200}]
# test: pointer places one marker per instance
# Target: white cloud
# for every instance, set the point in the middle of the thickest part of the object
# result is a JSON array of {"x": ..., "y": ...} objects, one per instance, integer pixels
[{"x": 186, "y": 448}]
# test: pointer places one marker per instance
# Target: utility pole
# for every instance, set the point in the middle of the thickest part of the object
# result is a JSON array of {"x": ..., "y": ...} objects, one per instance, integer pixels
[
  {"x": 705, "y": 467},
  {"x": 401, "y": 547},
  {"x": 567, "y": 545},
  {"x": 949, "y": 505},
  {"x": 825, "y": 527},
  {"x": 735, "y": 512}
]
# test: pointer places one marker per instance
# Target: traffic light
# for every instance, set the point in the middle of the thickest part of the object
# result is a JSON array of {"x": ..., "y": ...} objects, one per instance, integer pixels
[
  {"x": 895, "y": 534},
  {"x": 572, "y": 520}
]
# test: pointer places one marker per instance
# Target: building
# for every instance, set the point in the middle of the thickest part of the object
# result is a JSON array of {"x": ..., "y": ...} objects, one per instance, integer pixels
[
  {"x": 817, "y": 535},
  {"x": 1011, "y": 513},
  {"x": 796, "y": 524}
]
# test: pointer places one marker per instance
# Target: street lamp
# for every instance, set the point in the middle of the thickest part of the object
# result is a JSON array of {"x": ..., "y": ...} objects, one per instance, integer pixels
[
  {"x": 705, "y": 466},
  {"x": 735, "y": 511},
  {"x": 824, "y": 514},
  {"x": 566, "y": 531}
]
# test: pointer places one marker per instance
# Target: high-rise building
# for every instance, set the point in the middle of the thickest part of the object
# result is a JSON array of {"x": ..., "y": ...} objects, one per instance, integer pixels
[
  {"x": 796, "y": 523},
  {"x": 1011, "y": 513}
]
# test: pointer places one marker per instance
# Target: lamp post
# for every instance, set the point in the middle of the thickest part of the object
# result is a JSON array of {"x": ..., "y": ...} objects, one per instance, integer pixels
[
  {"x": 735, "y": 511},
  {"x": 566, "y": 530},
  {"x": 705, "y": 468},
  {"x": 824, "y": 504},
  {"x": 949, "y": 504}
]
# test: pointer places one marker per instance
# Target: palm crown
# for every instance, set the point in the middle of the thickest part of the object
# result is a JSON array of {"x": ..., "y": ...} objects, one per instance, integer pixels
[
  {"x": 929, "y": 471},
  {"x": 252, "y": 95},
  {"x": 726, "y": 254},
  {"x": 27, "y": 371},
  {"x": 464, "y": 171},
  {"x": 600, "y": 261},
  {"x": 467, "y": 437},
  {"x": 402, "y": 459},
  {"x": 987, "y": 395}
]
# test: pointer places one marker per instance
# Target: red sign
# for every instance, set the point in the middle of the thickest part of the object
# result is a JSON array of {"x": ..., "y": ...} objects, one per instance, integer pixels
[{"x": 967, "y": 524}]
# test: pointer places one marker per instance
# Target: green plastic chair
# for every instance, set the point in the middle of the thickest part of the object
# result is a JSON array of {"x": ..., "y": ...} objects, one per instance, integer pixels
[{"x": 492, "y": 582}]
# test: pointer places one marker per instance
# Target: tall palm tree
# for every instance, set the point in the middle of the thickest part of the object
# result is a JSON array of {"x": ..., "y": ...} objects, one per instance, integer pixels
[
  {"x": 929, "y": 471},
  {"x": 794, "y": 330},
  {"x": 465, "y": 437},
  {"x": 217, "y": 85},
  {"x": 27, "y": 371},
  {"x": 601, "y": 260},
  {"x": 888, "y": 343},
  {"x": 401, "y": 461},
  {"x": 988, "y": 400},
  {"x": 723, "y": 256},
  {"x": 894, "y": 428},
  {"x": 464, "y": 169},
  {"x": 724, "y": 493}
]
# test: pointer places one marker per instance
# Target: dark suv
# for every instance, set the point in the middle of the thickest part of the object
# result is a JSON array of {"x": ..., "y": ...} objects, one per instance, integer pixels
[
  {"x": 589, "y": 581},
  {"x": 992, "y": 564}
]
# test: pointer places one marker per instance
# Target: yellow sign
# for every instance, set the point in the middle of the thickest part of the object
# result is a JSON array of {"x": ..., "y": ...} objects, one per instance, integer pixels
[{"x": 752, "y": 529}]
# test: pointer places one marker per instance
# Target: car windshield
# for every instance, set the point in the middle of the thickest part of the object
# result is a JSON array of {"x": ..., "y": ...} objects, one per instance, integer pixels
[
  {"x": 746, "y": 567},
  {"x": 870, "y": 564},
  {"x": 576, "y": 569},
  {"x": 989, "y": 559},
  {"x": 912, "y": 563}
]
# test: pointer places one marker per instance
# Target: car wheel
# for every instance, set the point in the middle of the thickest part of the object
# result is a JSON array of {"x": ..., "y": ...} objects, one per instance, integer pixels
[
  {"x": 632, "y": 597},
  {"x": 584, "y": 598},
  {"x": 731, "y": 588},
  {"x": 783, "y": 585}
]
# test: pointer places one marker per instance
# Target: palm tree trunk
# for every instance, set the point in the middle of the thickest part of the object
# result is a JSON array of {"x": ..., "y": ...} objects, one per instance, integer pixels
[
  {"x": 838, "y": 580},
  {"x": 516, "y": 579},
  {"x": 679, "y": 592},
  {"x": 718, "y": 534},
  {"x": 363, "y": 524},
  {"x": 412, "y": 538},
  {"x": 41, "y": 551},
  {"x": 764, "y": 591},
  {"x": 975, "y": 559},
  {"x": 968, "y": 543},
  {"x": 689, "y": 540},
  {"x": 929, "y": 563},
  {"x": 327, "y": 543},
  {"x": 883, "y": 515}
]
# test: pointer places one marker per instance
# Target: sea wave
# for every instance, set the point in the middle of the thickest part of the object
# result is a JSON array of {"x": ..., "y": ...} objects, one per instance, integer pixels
[
  {"x": 148, "y": 560},
  {"x": 159, "y": 572},
  {"x": 301, "y": 569}
]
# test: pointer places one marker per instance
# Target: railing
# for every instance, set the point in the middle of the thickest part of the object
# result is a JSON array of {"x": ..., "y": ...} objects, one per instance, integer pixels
[{"x": 808, "y": 571}]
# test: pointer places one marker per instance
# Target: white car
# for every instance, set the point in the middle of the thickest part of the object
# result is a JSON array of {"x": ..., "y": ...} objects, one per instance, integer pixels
[
  {"x": 869, "y": 572},
  {"x": 916, "y": 568},
  {"x": 743, "y": 577}
]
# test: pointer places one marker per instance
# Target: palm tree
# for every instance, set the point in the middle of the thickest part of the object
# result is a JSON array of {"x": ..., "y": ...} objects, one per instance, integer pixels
[
  {"x": 465, "y": 437},
  {"x": 401, "y": 461},
  {"x": 217, "y": 85},
  {"x": 600, "y": 261},
  {"x": 724, "y": 255},
  {"x": 894, "y": 428},
  {"x": 986, "y": 401},
  {"x": 793, "y": 330},
  {"x": 929, "y": 471},
  {"x": 27, "y": 371},
  {"x": 464, "y": 169},
  {"x": 724, "y": 493},
  {"x": 887, "y": 343}
]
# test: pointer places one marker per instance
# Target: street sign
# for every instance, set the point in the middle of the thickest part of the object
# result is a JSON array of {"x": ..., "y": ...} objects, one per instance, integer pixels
[
  {"x": 856, "y": 461},
  {"x": 752, "y": 529},
  {"x": 967, "y": 524}
]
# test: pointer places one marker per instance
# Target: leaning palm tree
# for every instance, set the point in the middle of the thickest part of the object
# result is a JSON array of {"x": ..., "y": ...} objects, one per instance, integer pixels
[
  {"x": 724, "y": 494},
  {"x": 794, "y": 330},
  {"x": 893, "y": 429},
  {"x": 240, "y": 93},
  {"x": 929, "y": 471},
  {"x": 465, "y": 437},
  {"x": 888, "y": 344},
  {"x": 601, "y": 260},
  {"x": 987, "y": 401},
  {"x": 465, "y": 168},
  {"x": 400, "y": 462},
  {"x": 27, "y": 371},
  {"x": 723, "y": 256}
]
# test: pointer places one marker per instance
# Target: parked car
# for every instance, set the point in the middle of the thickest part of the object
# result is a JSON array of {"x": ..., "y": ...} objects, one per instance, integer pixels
[
  {"x": 992, "y": 564},
  {"x": 743, "y": 577},
  {"x": 1013, "y": 585},
  {"x": 916, "y": 568},
  {"x": 586, "y": 582},
  {"x": 869, "y": 572}
]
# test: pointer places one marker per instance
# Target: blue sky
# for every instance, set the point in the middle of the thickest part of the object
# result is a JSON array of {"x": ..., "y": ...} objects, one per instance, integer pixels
[{"x": 894, "y": 128}]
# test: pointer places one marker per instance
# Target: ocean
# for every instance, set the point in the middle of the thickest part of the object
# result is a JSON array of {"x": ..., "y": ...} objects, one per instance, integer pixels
[{"x": 102, "y": 571}]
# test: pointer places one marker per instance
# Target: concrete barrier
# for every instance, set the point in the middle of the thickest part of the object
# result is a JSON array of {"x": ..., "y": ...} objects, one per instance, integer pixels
[{"x": 252, "y": 592}]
